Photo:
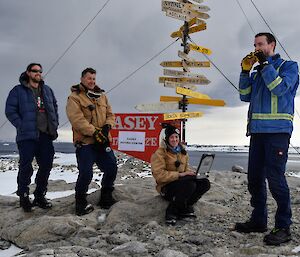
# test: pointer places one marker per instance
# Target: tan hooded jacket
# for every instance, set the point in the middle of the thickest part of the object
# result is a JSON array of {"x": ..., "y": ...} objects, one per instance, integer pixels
[
  {"x": 163, "y": 166},
  {"x": 85, "y": 114}
]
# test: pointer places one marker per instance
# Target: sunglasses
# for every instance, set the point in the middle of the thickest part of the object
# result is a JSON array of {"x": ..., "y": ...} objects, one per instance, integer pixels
[{"x": 36, "y": 71}]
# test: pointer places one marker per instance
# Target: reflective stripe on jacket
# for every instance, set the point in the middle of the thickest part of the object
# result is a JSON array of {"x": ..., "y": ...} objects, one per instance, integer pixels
[{"x": 271, "y": 92}]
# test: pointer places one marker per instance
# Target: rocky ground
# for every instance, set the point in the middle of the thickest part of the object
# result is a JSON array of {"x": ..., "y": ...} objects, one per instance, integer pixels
[{"x": 135, "y": 225}]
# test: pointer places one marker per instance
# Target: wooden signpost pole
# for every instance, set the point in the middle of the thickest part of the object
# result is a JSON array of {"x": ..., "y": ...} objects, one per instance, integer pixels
[{"x": 186, "y": 51}]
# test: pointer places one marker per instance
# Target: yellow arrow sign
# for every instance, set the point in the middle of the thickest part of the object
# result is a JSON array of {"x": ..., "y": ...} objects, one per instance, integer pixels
[
  {"x": 194, "y": 29},
  {"x": 193, "y": 22},
  {"x": 175, "y": 64},
  {"x": 211, "y": 102},
  {"x": 184, "y": 91},
  {"x": 199, "y": 81},
  {"x": 200, "y": 49},
  {"x": 182, "y": 115}
]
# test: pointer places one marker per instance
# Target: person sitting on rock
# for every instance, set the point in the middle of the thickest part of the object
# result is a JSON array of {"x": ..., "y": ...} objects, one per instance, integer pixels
[{"x": 176, "y": 182}]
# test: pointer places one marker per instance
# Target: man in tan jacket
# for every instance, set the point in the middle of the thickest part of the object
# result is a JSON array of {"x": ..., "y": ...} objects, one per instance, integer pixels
[{"x": 91, "y": 117}]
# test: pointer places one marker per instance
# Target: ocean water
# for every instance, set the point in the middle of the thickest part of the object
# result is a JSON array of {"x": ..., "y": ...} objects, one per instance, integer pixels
[{"x": 225, "y": 157}]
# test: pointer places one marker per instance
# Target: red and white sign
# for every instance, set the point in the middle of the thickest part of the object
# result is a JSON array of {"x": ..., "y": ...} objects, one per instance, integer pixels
[
  {"x": 137, "y": 134},
  {"x": 128, "y": 129}
]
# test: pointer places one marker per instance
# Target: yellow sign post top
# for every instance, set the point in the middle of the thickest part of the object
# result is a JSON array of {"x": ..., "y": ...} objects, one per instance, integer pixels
[{"x": 182, "y": 115}]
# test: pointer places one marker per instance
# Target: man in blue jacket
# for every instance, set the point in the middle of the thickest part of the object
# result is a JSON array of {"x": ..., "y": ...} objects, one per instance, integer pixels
[
  {"x": 270, "y": 89},
  {"x": 31, "y": 107}
]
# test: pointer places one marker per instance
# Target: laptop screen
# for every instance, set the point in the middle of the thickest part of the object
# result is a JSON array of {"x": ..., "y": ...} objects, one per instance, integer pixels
[{"x": 205, "y": 165}]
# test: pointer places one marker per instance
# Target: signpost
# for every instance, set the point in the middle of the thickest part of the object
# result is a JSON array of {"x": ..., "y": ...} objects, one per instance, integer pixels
[{"x": 184, "y": 81}]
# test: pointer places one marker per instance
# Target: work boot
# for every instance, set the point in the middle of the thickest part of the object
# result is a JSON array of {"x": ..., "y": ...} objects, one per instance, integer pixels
[
  {"x": 187, "y": 212},
  {"x": 106, "y": 198},
  {"x": 250, "y": 226},
  {"x": 81, "y": 206},
  {"x": 25, "y": 203},
  {"x": 171, "y": 214},
  {"x": 41, "y": 202},
  {"x": 278, "y": 236}
]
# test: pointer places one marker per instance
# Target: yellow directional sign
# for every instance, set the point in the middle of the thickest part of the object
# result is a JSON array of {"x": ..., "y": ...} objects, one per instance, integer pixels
[
  {"x": 182, "y": 115},
  {"x": 194, "y": 29},
  {"x": 184, "y": 91},
  {"x": 211, "y": 102},
  {"x": 200, "y": 49},
  {"x": 175, "y": 64},
  {"x": 199, "y": 81},
  {"x": 193, "y": 22}
]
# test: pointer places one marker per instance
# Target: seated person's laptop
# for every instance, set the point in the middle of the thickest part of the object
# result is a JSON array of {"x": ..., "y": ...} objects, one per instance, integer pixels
[{"x": 205, "y": 165}]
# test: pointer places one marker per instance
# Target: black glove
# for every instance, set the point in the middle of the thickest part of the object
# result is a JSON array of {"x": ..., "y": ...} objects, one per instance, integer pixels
[
  {"x": 105, "y": 129},
  {"x": 262, "y": 59},
  {"x": 99, "y": 137}
]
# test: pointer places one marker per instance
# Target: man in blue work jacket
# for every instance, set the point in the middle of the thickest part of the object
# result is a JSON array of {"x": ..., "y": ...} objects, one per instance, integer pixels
[
  {"x": 31, "y": 107},
  {"x": 270, "y": 89}
]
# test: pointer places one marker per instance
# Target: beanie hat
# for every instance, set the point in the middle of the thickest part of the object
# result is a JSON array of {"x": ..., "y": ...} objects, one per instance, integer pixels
[{"x": 170, "y": 130}]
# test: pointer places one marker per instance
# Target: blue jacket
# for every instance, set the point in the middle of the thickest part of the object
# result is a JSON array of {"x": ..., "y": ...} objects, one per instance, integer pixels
[
  {"x": 21, "y": 110},
  {"x": 271, "y": 91}
]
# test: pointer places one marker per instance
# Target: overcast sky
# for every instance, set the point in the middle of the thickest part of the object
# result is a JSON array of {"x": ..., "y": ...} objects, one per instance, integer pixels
[{"x": 123, "y": 37}]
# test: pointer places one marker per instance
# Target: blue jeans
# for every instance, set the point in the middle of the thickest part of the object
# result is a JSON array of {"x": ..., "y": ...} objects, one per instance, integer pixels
[
  {"x": 86, "y": 156},
  {"x": 268, "y": 155},
  {"x": 43, "y": 151}
]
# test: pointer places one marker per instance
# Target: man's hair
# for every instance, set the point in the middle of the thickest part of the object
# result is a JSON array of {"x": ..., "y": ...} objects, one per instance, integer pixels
[
  {"x": 88, "y": 70},
  {"x": 270, "y": 37},
  {"x": 33, "y": 64}
]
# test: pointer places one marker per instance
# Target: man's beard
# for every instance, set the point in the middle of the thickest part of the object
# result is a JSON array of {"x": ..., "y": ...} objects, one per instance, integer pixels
[{"x": 36, "y": 80}]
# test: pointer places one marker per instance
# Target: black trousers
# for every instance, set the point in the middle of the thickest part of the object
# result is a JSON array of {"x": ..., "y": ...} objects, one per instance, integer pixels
[{"x": 185, "y": 191}]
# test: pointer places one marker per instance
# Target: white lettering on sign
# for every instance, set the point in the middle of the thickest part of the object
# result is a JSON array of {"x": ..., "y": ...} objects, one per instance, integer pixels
[
  {"x": 136, "y": 123},
  {"x": 131, "y": 141}
]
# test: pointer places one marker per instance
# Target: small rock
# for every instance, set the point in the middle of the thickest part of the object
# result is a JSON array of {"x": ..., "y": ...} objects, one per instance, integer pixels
[
  {"x": 171, "y": 253},
  {"x": 4, "y": 244},
  {"x": 237, "y": 168},
  {"x": 131, "y": 247}
]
